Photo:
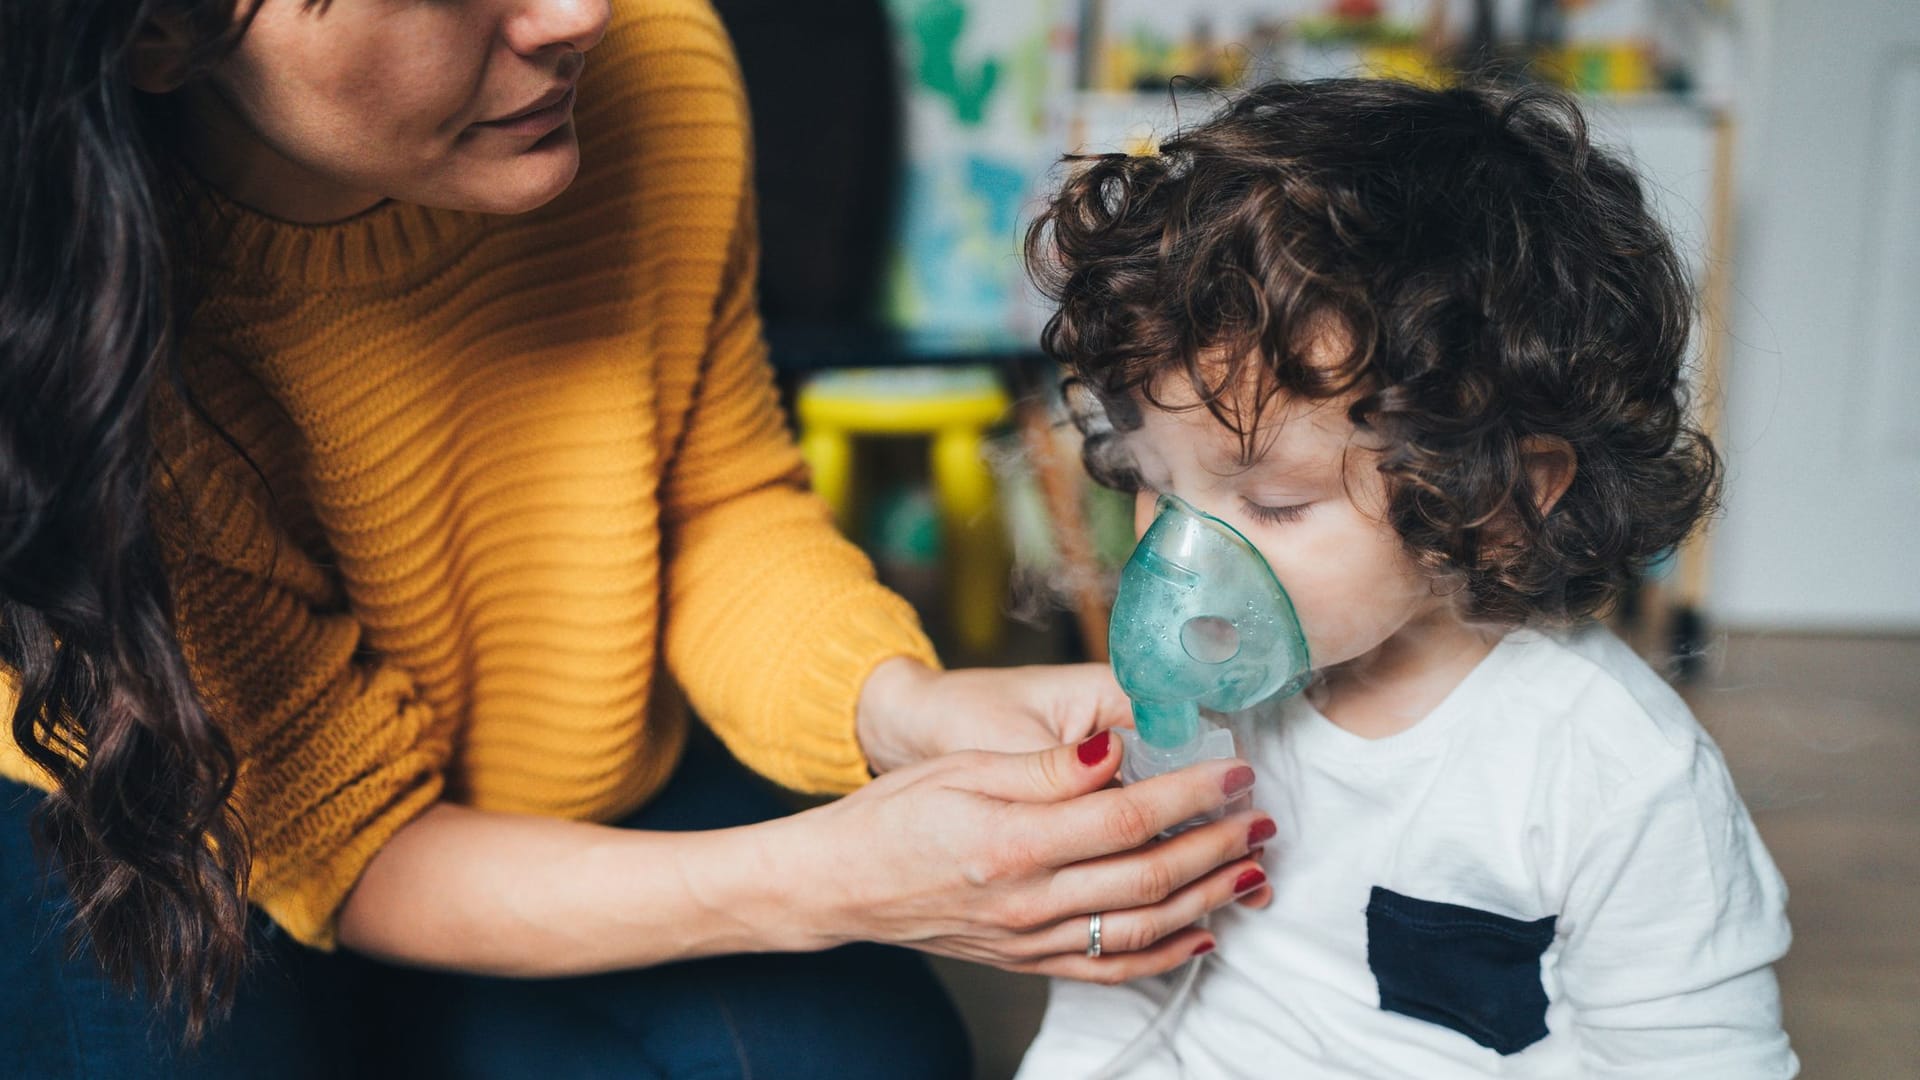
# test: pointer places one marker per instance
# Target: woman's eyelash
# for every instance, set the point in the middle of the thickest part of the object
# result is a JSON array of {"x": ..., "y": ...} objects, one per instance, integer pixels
[{"x": 1275, "y": 515}]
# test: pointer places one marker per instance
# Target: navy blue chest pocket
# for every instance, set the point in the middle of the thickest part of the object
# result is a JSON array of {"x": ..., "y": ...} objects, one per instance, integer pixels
[{"x": 1473, "y": 971}]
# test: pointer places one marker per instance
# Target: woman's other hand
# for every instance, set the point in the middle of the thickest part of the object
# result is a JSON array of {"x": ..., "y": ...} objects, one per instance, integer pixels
[
  {"x": 909, "y": 712},
  {"x": 1001, "y": 858}
]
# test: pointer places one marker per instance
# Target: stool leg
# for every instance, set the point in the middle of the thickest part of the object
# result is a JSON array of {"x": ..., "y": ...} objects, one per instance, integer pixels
[
  {"x": 828, "y": 453},
  {"x": 964, "y": 487}
]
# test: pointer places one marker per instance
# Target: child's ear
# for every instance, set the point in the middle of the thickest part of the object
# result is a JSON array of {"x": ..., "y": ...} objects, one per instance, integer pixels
[
  {"x": 1550, "y": 463},
  {"x": 157, "y": 63}
]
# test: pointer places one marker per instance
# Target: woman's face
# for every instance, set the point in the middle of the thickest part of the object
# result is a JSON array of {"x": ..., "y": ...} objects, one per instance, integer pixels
[{"x": 324, "y": 111}]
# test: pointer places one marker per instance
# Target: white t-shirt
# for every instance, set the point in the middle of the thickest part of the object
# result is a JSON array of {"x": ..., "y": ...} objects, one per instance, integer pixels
[{"x": 1549, "y": 876}]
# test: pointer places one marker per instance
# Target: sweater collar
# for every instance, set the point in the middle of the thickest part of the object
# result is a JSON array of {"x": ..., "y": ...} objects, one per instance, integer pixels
[{"x": 380, "y": 244}]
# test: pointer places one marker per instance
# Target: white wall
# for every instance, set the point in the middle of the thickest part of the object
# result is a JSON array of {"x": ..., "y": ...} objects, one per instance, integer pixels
[{"x": 1822, "y": 433}]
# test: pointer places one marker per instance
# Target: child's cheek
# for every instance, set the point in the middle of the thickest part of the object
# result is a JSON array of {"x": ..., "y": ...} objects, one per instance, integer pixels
[
  {"x": 1348, "y": 585},
  {"x": 1336, "y": 634},
  {"x": 1300, "y": 564}
]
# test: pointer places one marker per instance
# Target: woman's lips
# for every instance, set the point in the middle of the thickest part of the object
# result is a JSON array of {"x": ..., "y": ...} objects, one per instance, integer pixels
[{"x": 545, "y": 115}]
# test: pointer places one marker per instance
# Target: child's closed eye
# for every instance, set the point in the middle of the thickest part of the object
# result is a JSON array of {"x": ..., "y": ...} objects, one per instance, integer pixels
[{"x": 1274, "y": 515}]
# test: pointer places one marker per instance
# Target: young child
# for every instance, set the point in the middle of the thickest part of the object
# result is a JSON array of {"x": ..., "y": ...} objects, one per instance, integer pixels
[{"x": 1424, "y": 349}]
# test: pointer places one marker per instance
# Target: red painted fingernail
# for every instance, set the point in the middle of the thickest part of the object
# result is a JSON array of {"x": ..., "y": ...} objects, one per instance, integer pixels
[
  {"x": 1248, "y": 881},
  {"x": 1239, "y": 780},
  {"x": 1094, "y": 750},
  {"x": 1203, "y": 948},
  {"x": 1262, "y": 830}
]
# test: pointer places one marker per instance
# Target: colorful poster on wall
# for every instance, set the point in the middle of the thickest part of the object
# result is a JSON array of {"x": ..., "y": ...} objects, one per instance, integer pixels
[{"x": 979, "y": 79}]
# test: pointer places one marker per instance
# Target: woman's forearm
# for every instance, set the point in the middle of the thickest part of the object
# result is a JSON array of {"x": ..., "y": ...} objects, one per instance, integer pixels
[
  {"x": 991, "y": 857},
  {"x": 509, "y": 894}
]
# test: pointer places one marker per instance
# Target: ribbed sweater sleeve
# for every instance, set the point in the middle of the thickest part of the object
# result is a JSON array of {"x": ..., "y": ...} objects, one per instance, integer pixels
[
  {"x": 773, "y": 619},
  {"x": 336, "y": 750}
]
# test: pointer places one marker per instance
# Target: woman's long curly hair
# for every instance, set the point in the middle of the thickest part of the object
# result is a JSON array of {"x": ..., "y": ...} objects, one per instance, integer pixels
[
  {"x": 93, "y": 292},
  {"x": 1487, "y": 274}
]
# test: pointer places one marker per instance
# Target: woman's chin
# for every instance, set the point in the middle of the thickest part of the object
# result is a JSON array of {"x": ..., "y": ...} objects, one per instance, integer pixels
[{"x": 527, "y": 181}]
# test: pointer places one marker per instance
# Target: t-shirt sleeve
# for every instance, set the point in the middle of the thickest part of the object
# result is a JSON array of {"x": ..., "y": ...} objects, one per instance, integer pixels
[{"x": 1673, "y": 919}]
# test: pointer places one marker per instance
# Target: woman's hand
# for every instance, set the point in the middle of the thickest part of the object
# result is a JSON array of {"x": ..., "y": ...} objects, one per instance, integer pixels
[
  {"x": 909, "y": 712},
  {"x": 1001, "y": 858}
]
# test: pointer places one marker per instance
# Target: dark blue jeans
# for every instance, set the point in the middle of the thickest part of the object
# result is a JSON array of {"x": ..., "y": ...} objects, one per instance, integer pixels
[{"x": 849, "y": 1014}]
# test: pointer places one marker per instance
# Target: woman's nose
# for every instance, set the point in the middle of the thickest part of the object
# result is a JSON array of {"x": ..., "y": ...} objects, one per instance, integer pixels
[{"x": 537, "y": 26}]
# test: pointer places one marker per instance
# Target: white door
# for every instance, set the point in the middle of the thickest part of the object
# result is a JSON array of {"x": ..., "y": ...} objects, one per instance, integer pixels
[{"x": 1822, "y": 431}]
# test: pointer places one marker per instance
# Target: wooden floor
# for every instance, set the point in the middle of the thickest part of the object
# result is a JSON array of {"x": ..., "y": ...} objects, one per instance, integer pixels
[{"x": 1823, "y": 735}]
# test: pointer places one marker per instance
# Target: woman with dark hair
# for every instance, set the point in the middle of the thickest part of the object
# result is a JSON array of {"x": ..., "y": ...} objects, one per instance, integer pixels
[{"x": 378, "y": 498}]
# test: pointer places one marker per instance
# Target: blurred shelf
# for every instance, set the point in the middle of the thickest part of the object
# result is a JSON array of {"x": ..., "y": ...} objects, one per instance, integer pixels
[{"x": 798, "y": 349}]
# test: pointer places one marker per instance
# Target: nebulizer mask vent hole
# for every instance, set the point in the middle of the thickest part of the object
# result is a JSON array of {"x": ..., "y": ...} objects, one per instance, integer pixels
[{"x": 1210, "y": 639}]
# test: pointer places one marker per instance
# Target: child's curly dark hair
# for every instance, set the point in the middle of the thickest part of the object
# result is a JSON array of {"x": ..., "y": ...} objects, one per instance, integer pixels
[{"x": 1489, "y": 275}]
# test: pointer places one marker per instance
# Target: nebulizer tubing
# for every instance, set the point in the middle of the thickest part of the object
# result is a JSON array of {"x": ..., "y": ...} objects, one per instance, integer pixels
[
  {"x": 1161, "y": 1018},
  {"x": 1200, "y": 622}
]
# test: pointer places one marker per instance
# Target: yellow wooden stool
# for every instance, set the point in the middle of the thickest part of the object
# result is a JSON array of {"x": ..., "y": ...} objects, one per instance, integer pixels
[{"x": 954, "y": 406}]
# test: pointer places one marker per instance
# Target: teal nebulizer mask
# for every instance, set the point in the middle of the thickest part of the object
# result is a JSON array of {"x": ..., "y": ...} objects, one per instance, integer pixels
[{"x": 1199, "y": 622}]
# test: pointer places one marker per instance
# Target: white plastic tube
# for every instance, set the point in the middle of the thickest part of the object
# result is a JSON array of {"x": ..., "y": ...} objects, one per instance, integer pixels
[{"x": 1116, "y": 1065}]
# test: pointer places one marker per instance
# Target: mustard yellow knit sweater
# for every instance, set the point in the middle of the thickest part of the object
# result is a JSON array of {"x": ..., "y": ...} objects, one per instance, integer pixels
[{"x": 527, "y": 492}]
